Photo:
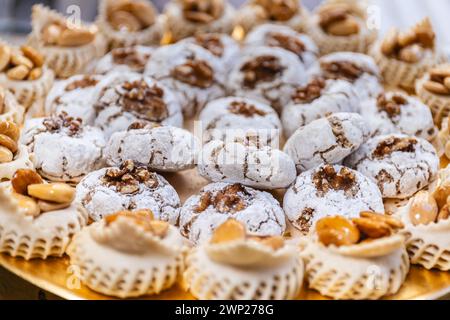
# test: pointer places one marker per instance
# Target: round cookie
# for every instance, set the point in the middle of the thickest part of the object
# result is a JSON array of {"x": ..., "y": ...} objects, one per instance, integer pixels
[
  {"x": 124, "y": 98},
  {"x": 217, "y": 202},
  {"x": 399, "y": 164},
  {"x": 316, "y": 100},
  {"x": 356, "y": 68},
  {"x": 276, "y": 35},
  {"x": 268, "y": 74},
  {"x": 129, "y": 187},
  {"x": 326, "y": 140},
  {"x": 62, "y": 149},
  {"x": 75, "y": 96},
  {"x": 127, "y": 59},
  {"x": 329, "y": 190},
  {"x": 167, "y": 149},
  {"x": 258, "y": 167},
  {"x": 194, "y": 74},
  {"x": 240, "y": 119},
  {"x": 396, "y": 112}
]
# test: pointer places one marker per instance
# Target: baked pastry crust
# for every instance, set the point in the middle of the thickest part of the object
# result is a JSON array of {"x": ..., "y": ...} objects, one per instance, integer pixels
[{"x": 11, "y": 109}]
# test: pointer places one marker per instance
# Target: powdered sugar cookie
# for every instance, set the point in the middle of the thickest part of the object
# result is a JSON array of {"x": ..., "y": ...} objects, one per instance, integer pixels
[
  {"x": 400, "y": 164},
  {"x": 62, "y": 149},
  {"x": 274, "y": 35},
  {"x": 74, "y": 96},
  {"x": 356, "y": 68},
  {"x": 217, "y": 202},
  {"x": 240, "y": 119},
  {"x": 124, "y": 98},
  {"x": 396, "y": 112},
  {"x": 316, "y": 100},
  {"x": 124, "y": 59},
  {"x": 268, "y": 74},
  {"x": 329, "y": 190},
  {"x": 327, "y": 140},
  {"x": 160, "y": 148},
  {"x": 128, "y": 187},
  {"x": 194, "y": 74},
  {"x": 258, "y": 167}
]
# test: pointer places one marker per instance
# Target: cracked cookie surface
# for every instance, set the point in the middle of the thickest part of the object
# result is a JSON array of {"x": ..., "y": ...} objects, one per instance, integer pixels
[
  {"x": 329, "y": 190},
  {"x": 399, "y": 164},
  {"x": 127, "y": 59},
  {"x": 217, "y": 202}
]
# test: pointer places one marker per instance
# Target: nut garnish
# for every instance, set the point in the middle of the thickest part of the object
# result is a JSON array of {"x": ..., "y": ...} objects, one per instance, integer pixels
[
  {"x": 194, "y": 72},
  {"x": 211, "y": 42},
  {"x": 392, "y": 106},
  {"x": 245, "y": 109},
  {"x": 144, "y": 101},
  {"x": 131, "y": 16},
  {"x": 22, "y": 178},
  {"x": 261, "y": 69},
  {"x": 143, "y": 218},
  {"x": 394, "y": 144},
  {"x": 424, "y": 209},
  {"x": 409, "y": 46},
  {"x": 295, "y": 45},
  {"x": 230, "y": 199},
  {"x": 344, "y": 70},
  {"x": 27, "y": 205},
  {"x": 63, "y": 123},
  {"x": 54, "y": 192},
  {"x": 326, "y": 178},
  {"x": 337, "y": 231},
  {"x": 9, "y": 136},
  {"x": 23, "y": 64},
  {"x": 439, "y": 81},
  {"x": 310, "y": 92},
  {"x": 128, "y": 177},
  {"x": 338, "y": 20},
  {"x": 202, "y": 11},
  {"x": 56, "y": 33},
  {"x": 279, "y": 10},
  {"x": 131, "y": 57},
  {"x": 85, "y": 82}
]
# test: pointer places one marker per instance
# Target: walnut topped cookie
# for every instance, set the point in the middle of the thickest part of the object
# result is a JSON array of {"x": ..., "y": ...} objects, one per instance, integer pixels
[
  {"x": 190, "y": 17},
  {"x": 62, "y": 149},
  {"x": 67, "y": 47},
  {"x": 341, "y": 25},
  {"x": 129, "y": 186},
  {"x": 396, "y": 112},
  {"x": 124, "y": 98},
  {"x": 74, "y": 96},
  {"x": 273, "y": 35},
  {"x": 268, "y": 74},
  {"x": 133, "y": 59},
  {"x": 201, "y": 214},
  {"x": 399, "y": 164},
  {"x": 194, "y": 74},
  {"x": 126, "y": 23},
  {"x": 284, "y": 12},
  {"x": 327, "y": 190}
]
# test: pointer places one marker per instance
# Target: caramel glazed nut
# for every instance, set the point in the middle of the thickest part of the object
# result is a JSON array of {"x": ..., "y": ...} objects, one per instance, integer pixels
[{"x": 21, "y": 65}]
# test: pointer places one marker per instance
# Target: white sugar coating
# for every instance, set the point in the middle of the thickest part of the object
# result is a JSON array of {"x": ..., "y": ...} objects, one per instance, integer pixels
[
  {"x": 192, "y": 98},
  {"x": 220, "y": 123},
  {"x": 111, "y": 115},
  {"x": 260, "y": 36},
  {"x": 399, "y": 174},
  {"x": 107, "y": 64},
  {"x": 58, "y": 156},
  {"x": 368, "y": 84},
  {"x": 231, "y": 48},
  {"x": 164, "y": 148},
  {"x": 327, "y": 140},
  {"x": 101, "y": 200},
  {"x": 262, "y": 214},
  {"x": 414, "y": 119},
  {"x": 277, "y": 92},
  {"x": 304, "y": 204},
  {"x": 77, "y": 103},
  {"x": 263, "y": 167},
  {"x": 337, "y": 96}
]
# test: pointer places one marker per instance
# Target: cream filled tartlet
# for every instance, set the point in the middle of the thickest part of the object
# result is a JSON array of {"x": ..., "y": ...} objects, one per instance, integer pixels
[
  {"x": 128, "y": 254},
  {"x": 238, "y": 265}
]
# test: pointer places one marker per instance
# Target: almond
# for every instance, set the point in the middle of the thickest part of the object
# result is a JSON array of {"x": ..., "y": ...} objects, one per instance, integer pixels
[
  {"x": 424, "y": 209},
  {"x": 411, "y": 54},
  {"x": 51, "y": 33},
  {"x": 35, "y": 74},
  {"x": 47, "y": 206},
  {"x": 447, "y": 83},
  {"x": 5, "y": 56},
  {"x": 5, "y": 155},
  {"x": 230, "y": 230},
  {"x": 75, "y": 37},
  {"x": 10, "y": 129},
  {"x": 18, "y": 73},
  {"x": 390, "y": 42},
  {"x": 33, "y": 55},
  {"x": 337, "y": 231},
  {"x": 20, "y": 60},
  {"x": 9, "y": 143},
  {"x": 120, "y": 20},
  {"x": 345, "y": 27},
  {"x": 22, "y": 178},
  {"x": 54, "y": 192},
  {"x": 436, "y": 87},
  {"x": 373, "y": 228}
]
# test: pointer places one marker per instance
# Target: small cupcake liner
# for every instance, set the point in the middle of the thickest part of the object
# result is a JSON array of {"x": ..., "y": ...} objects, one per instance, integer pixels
[
  {"x": 427, "y": 245},
  {"x": 65, "y": 62},
  {"x": 117, "y": 39},
  {"x": 115, "y": 273},
  {"x": 46, "y": 235},
  {"x": 13, "y": 111},
  {"x": 20, "y": 161},
  {"x": 209, "y": 280},
  {"x": 341, "y": 276},
  {"x": 439, "y": 104}
]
